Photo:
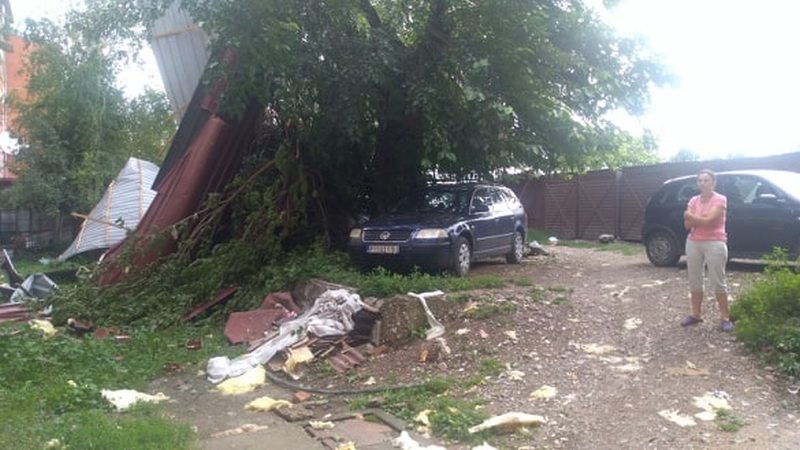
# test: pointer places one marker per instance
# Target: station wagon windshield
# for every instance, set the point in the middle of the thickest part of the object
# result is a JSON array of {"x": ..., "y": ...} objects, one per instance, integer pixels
[{"x": 437, "y": 200}]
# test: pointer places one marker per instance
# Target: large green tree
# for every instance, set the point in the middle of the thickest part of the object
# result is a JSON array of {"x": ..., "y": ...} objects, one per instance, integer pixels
[
  {"x": 77, "y": 127},
  {"x": 375, "y": 94},
  {"x": 364, "y": 99}
]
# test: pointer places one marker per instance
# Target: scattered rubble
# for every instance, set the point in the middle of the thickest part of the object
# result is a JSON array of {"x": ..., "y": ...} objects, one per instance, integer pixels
[
  {"x": 123, "y": 399},
  {"x": 509, "y": 422},
  {"x": 266, "y": 404},
  {"x": 246, "y": 382},
  {"x": 246, "y": 428}
]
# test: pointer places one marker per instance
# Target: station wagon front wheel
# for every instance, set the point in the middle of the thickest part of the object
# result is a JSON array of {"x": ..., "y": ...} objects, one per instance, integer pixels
[{"x": 462, "y": 257}]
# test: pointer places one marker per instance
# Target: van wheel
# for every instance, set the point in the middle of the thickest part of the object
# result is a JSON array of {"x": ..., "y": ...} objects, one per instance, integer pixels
[
  {"x": 462, "y": 257},
  {"x": 517, "y": 249},
  {"x": 662, "y": 249}
]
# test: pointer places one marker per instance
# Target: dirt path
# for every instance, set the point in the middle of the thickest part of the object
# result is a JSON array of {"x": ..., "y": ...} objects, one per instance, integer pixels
[
  {"x": 602, "y": 329},
  {"x": 619, "y": 361}
]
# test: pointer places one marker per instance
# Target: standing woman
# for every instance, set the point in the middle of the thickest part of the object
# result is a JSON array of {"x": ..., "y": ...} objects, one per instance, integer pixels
[{"x": 706, "y": 245}]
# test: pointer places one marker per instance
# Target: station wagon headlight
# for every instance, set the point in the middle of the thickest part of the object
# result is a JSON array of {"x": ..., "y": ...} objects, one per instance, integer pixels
[
  {"x": 431, "y": 233},
  {"x": 355, "y": 233}
]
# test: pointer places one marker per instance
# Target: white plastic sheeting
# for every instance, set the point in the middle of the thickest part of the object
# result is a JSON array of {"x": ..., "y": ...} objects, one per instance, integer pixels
[
  {"x": 119, "y": 211},
  {"x": 331, "y": 315}
]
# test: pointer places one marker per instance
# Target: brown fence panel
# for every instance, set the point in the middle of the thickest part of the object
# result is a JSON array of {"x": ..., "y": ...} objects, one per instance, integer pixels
[
  {"x": 561, "y": 208},
  {"x": 636, "y": 188},
  {"x": 532, "y": 198},
  {"x": 601, "y": 202},
  {"x": 597, "y": 205}
]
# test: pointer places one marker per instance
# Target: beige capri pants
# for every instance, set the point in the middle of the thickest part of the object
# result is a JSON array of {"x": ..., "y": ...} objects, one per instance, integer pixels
[{"x": 714, "y": 255}]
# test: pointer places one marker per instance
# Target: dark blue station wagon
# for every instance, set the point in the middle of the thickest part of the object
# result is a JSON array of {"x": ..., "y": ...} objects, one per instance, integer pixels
[{"x": 444, "y": 226}]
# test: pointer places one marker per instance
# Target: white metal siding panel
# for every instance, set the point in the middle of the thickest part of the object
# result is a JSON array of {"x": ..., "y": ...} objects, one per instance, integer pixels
[
  {"x": 181, "y": 51},
  {"x": 123, "y": 205}
]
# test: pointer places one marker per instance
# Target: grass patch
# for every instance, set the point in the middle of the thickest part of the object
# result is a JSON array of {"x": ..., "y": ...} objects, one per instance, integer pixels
[
  {"x": 537, "y": 295},
  {"x": 450, "y": 417},
  {"x": 536, "y": 234},
  {"x": 51, "y": 387},
  {"x": 488, "y": 309},
  {"x": 519, "y": 281},
  {"x": 625, "y": 248},
  {"x": 490, "y": 367},
  {"x": 728, "y": 421}
]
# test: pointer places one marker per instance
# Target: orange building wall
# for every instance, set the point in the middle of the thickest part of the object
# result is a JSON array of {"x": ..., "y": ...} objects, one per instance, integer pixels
[
  {"x": 16, "y": 84},
  {"x": 17, "y": 80}
]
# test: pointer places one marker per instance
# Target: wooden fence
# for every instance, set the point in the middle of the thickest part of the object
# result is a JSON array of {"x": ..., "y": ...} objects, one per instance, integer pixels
[{"x": 613, "y": 202}]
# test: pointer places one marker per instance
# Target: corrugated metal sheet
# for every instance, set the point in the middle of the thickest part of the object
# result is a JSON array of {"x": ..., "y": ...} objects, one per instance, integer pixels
[
  {"x": 181, "y": 51},
  {"x": 123, "y": 205}
]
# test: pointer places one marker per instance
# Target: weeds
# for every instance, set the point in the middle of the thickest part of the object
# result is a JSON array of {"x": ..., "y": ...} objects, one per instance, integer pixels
[
  {"x": 625, "y": 248},
  {"x": 519, "y": 281},
  {"x": 490, "y": 368},
  {"x": 537, "y": 295},
  {"x": 768, "y": 316},
  {"x": 450, "y": 417},
  {"x": 728, "y": 421},
  {"x": 145, "y": 301},
  {"x": 489, "y": 309}
]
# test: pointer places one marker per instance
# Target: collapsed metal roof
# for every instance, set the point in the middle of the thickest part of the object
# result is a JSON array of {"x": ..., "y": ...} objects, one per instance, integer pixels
[
  {"x": 181, "y": 51},
  {"x": 123, "y": 205}
]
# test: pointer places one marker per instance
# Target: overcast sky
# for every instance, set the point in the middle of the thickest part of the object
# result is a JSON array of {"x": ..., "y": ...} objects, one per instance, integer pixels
[
  {"x": 134, "y": 79},
  {"x": 736, "y": 63},
  {"x": 738, "y": 70}
]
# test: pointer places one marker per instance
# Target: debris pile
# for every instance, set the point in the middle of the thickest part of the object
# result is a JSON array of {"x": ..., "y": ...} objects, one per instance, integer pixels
[{"x": 23, "y": 294}]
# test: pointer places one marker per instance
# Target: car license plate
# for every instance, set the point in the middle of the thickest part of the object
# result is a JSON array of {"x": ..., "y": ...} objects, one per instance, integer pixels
[{"x": 384, "y": 249}]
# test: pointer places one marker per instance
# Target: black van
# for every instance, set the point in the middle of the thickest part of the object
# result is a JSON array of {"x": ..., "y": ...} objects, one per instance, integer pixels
[{"x": 763, "y": 213}]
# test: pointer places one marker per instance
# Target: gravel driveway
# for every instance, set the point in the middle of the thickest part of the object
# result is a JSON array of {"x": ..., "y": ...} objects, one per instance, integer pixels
[{"x": 626, "y": 374}]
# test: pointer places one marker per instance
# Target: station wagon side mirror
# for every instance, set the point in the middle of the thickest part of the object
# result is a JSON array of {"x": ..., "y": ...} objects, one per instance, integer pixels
[{"x": 480, "y": 209}]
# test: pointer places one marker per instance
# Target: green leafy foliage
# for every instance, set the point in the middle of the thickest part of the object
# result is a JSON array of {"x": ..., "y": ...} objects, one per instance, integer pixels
[
  {"x": 768, "y": 315},
  {"x": 160, "y": 294},
  {"x": 373, "y": 95},
  {"x": 77, "y": 127}
]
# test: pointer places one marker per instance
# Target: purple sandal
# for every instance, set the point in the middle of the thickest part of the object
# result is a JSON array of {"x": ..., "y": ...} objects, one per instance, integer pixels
[{"x": 690, "y": 320}]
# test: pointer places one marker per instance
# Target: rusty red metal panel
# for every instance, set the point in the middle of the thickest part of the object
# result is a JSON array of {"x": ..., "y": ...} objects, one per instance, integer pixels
[
  {"x": 14, "y": 312},
  {"x": 251, "y": 325},
  {"x": 208, "y": 164}
]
